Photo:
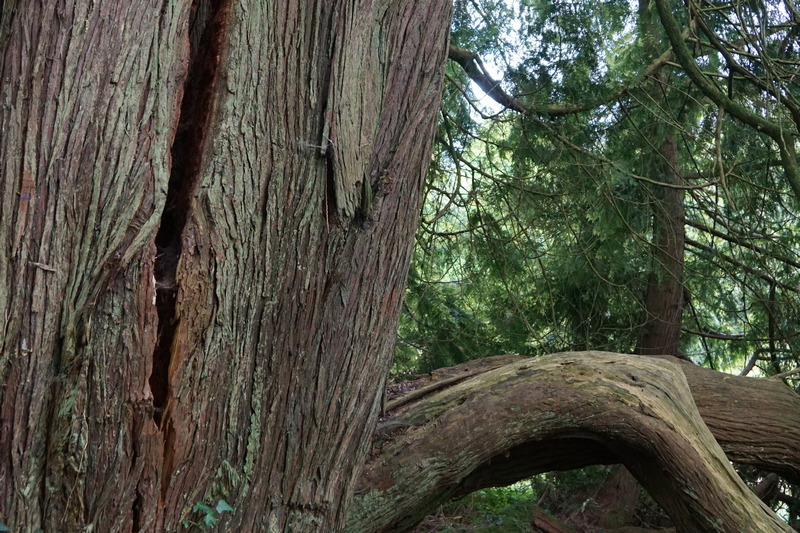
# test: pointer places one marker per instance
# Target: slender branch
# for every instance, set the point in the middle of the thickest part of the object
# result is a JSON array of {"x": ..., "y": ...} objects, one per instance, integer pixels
[
  {"x": 757, "y": 356},
  {"x": 711, "y": 334},
  {"x": 738, "y": 264},
  {"x": 792, "y": 372},
  {"x": 751, "y": 363},
  {"x": 784, "y": 139},
  {"x": 735, "y": 66},
  {"x": 474, "y": 68},
  {"x": 741, "y": 242}
]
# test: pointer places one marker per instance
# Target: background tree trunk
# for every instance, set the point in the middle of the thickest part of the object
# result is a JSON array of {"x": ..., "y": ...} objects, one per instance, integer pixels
[
  {"x": 234, "y": 348},
  {"x": 663, "y": 300},
  {"x": 566, "y": 411}
]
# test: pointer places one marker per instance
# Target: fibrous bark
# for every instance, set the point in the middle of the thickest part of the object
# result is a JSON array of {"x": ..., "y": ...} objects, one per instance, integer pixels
[
  {"x": 566, "y": 411},
  {"x": 214, "y": 319},
  {"x": 664, "y": 296},
  {"x": 89, "y": 94},
  {"x": 755, "y": 421}
]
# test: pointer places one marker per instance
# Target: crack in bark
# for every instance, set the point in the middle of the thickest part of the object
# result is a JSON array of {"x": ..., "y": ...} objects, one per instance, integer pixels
[
  {"x": 187, "y": 155},
  {"x": 325, "y": 62},
  {"x": 186, "y": 159}
]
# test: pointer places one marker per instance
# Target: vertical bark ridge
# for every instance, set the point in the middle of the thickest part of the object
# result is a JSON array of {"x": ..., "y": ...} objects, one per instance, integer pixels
[
  {"x": 288, "y": 314},
  {"x": 86, "y": 119}
]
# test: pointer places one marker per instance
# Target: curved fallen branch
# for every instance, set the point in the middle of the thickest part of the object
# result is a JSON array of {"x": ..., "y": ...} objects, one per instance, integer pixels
[{"x": 556, "y": 412}]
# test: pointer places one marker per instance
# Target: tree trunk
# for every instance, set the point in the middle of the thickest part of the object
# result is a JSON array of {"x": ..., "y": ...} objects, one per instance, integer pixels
[
  {"x": 543, "y": 523},
  {"x": 614, "y": 503},
  {"x": 663, "y": 300},
  {"x": 570, "y": 410},
  {"x": 617, "y": 498},
  {"x": 755, "y": 421},
  {"x": 220, "y": 331}
]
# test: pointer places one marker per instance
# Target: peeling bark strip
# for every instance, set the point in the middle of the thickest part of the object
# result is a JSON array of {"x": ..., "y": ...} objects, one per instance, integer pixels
[
  {"x": 569, "y": 410},
  {"x": 359, "y": 57}
]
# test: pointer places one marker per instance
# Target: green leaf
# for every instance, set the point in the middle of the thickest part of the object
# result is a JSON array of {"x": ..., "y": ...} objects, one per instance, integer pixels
[
  {"x": 223, "y": 507},
  {"x": 200, "y": 506}
]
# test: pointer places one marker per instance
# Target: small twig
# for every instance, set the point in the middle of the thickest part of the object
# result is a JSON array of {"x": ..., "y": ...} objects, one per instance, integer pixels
[{"x": 43, "y": 266}]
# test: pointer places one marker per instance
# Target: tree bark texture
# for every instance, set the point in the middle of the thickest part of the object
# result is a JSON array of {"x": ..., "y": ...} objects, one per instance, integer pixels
[
  {"x": 558, "y": 412},
  {"x": 90, "y": 96},
  {"x": 663, "y": 301},
  {"x": 755, "y": 421},
  {"x": 614, "y": 503},
  {"x": 210, "y": 318},
  {"x": 616, "y": 499}
]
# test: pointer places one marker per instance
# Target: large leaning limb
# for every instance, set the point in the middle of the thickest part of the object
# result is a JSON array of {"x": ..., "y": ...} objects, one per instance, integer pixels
[
  {"x": 756, "y": 421},
  {"x": 554, "y": 412}
]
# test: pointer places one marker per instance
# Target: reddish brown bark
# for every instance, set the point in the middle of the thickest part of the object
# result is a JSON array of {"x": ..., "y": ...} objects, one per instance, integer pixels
[
  {"x": 289, "y": 304},
  {"x": 86, "y": 121},
  {"x": 252, "y": 374},
  {"x": 617, "y": 498},
  {"x": 544, "y": 523},
  {"x": 570, "y": 410},
  {"x": 663, "y": 302},
  {"x": 755, "y": 421}
]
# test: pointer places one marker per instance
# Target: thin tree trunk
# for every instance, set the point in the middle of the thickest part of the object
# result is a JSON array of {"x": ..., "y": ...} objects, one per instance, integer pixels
[
  {"x": 617, "y": 498},
  {"x": 221, "y": 331},
  {"x": 663, "y": 300}
]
